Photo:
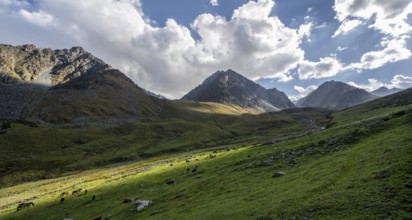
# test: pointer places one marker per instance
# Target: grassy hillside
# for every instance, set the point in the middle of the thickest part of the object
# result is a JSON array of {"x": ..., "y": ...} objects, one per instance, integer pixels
[
  {"x": 359, "y": 168},
  {"x": 383, "y": 106},
  {"x": 30, "y": 153}
]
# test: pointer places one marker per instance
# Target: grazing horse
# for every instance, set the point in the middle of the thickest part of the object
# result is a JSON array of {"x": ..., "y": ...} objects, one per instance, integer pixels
[
  {"x": 61, "y": 201},
  {"x": 76, "y": 191},
  {"x": 85, "y": 191},
  {"x": 64, "y": 194},
  {"x": 93, "y": 198},
  {"x": 171, "y": 182},
  {"x": 24, "y": 205},
  {"x": 20, "y": 206}
]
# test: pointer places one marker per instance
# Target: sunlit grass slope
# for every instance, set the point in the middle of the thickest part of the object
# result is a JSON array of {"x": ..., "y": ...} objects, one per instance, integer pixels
[{"x": 29, "y": 153}]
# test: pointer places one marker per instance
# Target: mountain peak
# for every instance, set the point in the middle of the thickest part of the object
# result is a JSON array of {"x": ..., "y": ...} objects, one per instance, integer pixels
[
  {"x": 230, "y": 87},
  {"x": 81, "y": 88},
  {"x": 335, "y": 95},
  {"x": 384, "y": 91}
]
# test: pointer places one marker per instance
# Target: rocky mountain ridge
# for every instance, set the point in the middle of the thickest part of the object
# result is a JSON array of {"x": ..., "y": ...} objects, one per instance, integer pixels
[
  {"x": 68, "y": 87},
  {"x": 46, "y": 67},
  {"x": 231, "y": 88}
]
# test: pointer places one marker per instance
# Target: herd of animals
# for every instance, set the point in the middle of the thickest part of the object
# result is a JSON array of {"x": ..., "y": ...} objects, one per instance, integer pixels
[
  {"x": 62, "y": 199},
  {"x": 63, "y": 195},
  {"x": 77, "y": 191}
]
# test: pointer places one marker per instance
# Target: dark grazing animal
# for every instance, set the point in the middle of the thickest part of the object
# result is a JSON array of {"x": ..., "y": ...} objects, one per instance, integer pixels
[
  {"x": 76, "y": 191},
  {"x": 171, "y": 182},
  {"x": 195, "y": 169},
  {"x": 64, "y": 194},
  {"x": 85, "y": 191},
  {"x": 93, "y": 198},
  {"x": 20, "y": 206},
  {"x": 61, "y": 201},
  {"x": 24, "y": 205}
]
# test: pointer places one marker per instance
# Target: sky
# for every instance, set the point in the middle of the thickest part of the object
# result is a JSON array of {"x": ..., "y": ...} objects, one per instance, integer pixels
[{"x": 170, "y": 46}]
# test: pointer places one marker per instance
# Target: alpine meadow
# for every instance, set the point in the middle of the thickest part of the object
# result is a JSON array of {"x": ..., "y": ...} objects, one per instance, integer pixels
[{"x": 206, "y": 110}]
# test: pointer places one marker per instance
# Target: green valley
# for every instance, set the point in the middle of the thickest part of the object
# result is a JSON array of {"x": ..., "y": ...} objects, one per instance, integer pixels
[{"x": 271, "y": 166}]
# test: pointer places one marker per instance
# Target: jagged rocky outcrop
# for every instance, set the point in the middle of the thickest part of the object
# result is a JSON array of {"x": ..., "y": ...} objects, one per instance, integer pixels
[
  {"x": 383, "y": 91},
  {"x": 68, "y": 87},
  {"x": 46, "y": 67},
  {"x": 229, "y": 87},
  {"x": 335, "y": 95}
]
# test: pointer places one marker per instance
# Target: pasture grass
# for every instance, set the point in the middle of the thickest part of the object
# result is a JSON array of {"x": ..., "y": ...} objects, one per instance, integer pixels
[{"x": 369, "y": 178}]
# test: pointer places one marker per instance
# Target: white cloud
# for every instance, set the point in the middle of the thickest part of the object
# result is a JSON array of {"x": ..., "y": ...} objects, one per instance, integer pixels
[
  {"x": 401, "y": 81},
  {"x": 341, "y": 48},
  {"x": 398, "y": 81},
  {"x": 254, "y": 10},
  {"x": 389, "y": 16},
  {"x": 326, "y": 67},
  {"x": 40, "y": 18},
  {"x": 214, "y": 2},
  {"x": 252, "y": 42},
  {"x": 394, "y": 51},
  {"x": 302, "y": 92},
  {"x": 346, "y": 26},
  {"x": 305, "y": 29},
  {"x": 372, "y": 85}
]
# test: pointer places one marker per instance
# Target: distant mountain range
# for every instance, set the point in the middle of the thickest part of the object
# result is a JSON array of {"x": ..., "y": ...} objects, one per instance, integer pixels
[
  {"x": 383, "y": 91},
  {"x": 73, "y": 87},
  {"x": 231, "y": 88},
  {"x": 335, "y": 95}
]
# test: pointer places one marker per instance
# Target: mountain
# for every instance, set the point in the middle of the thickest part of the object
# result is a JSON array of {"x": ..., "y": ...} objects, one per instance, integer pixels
[
  {"x": 67, "y": 87},
  {"x": 45, "y": 67},
  {"x": 231, "y": 88},
  {"x": 335, "y": 95},
  {"x": 383, "y": 91}
]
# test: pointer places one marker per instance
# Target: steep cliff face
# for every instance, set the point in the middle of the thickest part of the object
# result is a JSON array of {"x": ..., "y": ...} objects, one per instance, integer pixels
[
  {"x": 68, "y": 87},
  {"x": 335, "y": 95},
  {"x": 231, "y": 88}
]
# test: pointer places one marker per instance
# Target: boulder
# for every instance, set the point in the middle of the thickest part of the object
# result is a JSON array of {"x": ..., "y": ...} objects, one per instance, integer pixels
[
  {"x": 141, "y": 204},
  {"x": 266, "y": 162},
  {"x": 279, "y": 174}
]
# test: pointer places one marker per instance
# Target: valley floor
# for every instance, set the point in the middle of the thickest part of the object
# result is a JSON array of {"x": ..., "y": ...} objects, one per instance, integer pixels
[{"x": 356, "y": 169}]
